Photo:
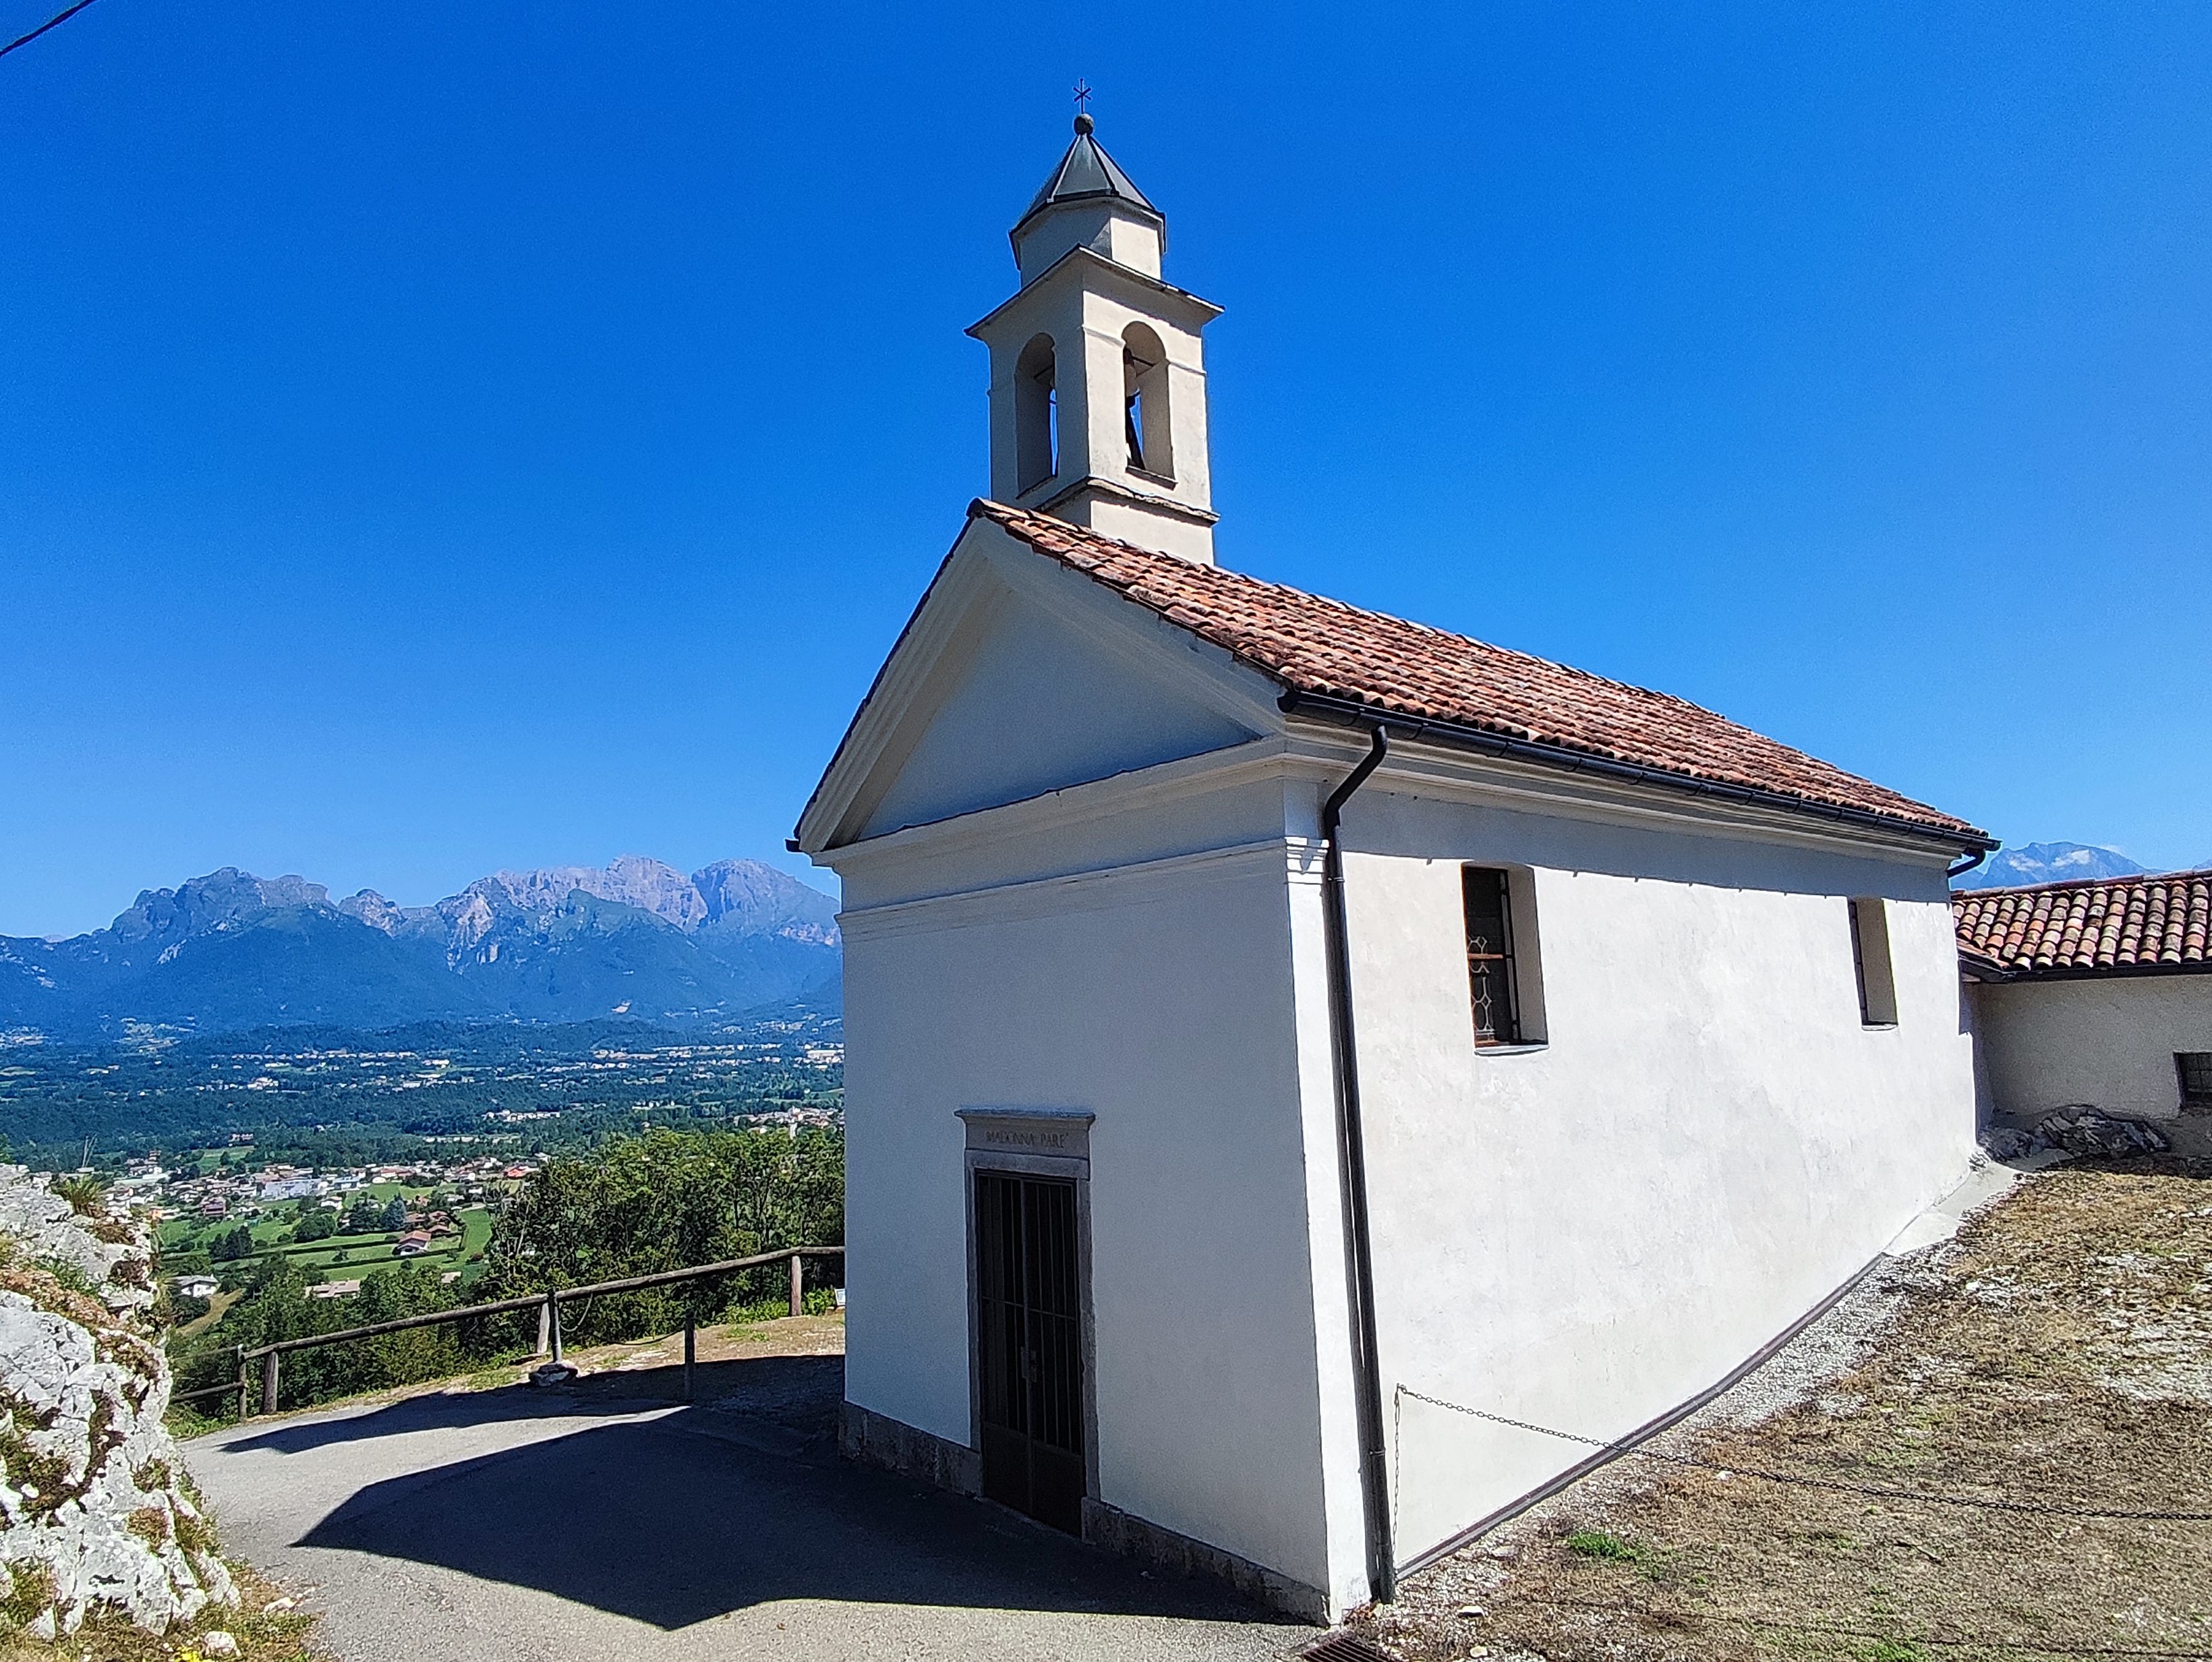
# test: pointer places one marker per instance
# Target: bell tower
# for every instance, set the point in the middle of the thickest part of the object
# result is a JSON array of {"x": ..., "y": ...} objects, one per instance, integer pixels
[{"x": 1098, "y": 376}]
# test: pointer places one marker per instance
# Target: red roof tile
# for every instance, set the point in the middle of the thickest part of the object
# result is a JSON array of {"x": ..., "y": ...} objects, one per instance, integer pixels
[
  {"x": 2114, "y": 924},
  {"x": 1326, "y": 648}
]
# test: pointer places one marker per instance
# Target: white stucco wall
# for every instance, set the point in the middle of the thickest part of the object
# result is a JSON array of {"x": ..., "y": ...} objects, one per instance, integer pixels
[
  {"x": 1158, "y": 997},
  {"x": 2110, "y": 1041},
  {"x": 1586, "y": 1234}
]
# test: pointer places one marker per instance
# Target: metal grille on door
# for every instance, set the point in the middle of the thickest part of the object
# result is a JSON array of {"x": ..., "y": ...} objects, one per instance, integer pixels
[{"x": 1029, "y": 1341}]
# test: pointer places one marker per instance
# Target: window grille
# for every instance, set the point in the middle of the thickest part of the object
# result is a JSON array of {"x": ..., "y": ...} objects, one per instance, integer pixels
[
  {"x": 1490, "y": 955},
  {"x": 2195, "y": 1068}
]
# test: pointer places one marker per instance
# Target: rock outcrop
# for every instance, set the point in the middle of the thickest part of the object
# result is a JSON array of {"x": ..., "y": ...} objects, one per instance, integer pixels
[
  {"x": 2078, "y": 1130},
  {"x": 93, "y": 1511}
]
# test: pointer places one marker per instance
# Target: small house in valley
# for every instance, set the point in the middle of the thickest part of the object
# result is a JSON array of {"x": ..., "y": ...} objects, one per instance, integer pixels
[
  {"x": 2096, "y": 994},
  {"x": 1287, "y": 1045}
]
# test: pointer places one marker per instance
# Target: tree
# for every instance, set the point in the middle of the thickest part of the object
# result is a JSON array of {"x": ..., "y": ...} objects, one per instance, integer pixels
[
  {"x": 663, "y": 1200},
  {"x": 363, "y": 1217},
  {"x": 316, "y": 1225},
  {"x": 395, "y": 1215},
  {"x": 231, "y": 1243}
]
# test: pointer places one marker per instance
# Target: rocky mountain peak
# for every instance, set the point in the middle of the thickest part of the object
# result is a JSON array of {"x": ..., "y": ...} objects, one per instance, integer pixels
[
  {"x": 635, "y": 936},
  {"x": 632, "y": 880},
  {"x": 747, "y": 895},
  {"x": 2048, "y": 863},
  {"x": 199, "y": 905}
]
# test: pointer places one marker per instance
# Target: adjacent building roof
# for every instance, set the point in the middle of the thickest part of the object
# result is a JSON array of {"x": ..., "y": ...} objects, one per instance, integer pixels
[
  {"x": 1084, "y": 173},
  {"x": 2144, "y": 925},
  {"x": 1365, "y": 661}
]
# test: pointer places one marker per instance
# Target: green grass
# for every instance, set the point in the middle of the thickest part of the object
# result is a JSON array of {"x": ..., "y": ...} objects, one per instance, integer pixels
[
  {"x": 1598, "y": 1544},
  {"x": 367, "y": 1253},
  {"x": 1651, "y": 1561},
  {"x": 273, "y": 1234},
  {"x": 476, "y": 1230},
  {"x": 363, "y": 1253}
]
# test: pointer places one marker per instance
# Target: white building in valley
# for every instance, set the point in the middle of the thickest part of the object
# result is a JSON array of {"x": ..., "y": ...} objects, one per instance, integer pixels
[{"x": 1186, "y": 1177}]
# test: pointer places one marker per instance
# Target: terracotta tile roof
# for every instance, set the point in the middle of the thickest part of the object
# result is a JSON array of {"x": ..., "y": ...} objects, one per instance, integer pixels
[
  {"x": 2116, "y": 925},
  {"x": 1327, "y": 648}
]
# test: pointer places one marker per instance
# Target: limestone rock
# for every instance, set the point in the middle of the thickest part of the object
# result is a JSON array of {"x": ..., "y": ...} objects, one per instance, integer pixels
[
  {"x": 93, "y": 1509},
  {"x": 2082, "y": 1129},
  {"x": 114, "y": 1258},
  {"x": 2078, "y": 1129}
]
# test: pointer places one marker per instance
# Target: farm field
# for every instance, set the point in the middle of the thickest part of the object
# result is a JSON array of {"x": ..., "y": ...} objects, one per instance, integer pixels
[{"x": 338, "y": 1256}]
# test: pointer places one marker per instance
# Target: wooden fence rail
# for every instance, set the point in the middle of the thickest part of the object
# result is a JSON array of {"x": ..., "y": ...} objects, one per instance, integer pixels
[{"x": 547, "y": 1304}]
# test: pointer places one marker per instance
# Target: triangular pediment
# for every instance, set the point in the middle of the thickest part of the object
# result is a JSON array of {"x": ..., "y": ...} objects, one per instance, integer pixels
[{"x": 1018, "y": 676}]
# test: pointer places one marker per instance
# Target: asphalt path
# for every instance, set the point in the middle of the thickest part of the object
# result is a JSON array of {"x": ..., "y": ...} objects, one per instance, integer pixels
[{"x": 604, "y": 1521}]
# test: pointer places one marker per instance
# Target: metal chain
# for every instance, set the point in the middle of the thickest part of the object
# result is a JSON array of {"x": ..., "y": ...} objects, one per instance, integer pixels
[{"x": 1837, "y": 1484}]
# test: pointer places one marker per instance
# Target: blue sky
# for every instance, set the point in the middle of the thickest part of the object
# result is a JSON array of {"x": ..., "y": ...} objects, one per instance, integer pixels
[{"x": 438, "y": 438}]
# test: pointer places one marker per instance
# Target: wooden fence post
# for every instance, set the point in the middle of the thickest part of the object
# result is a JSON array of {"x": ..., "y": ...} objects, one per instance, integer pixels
[
  {"x": 244, "y": 1397},
  {"x": 269, "y": 1382},
  {"x": 690, "y": 1351},
  {"x": 553, "y": 1310},
  {"x": 798, "y": 1284},
  {"x": 544, "y": 1326}
]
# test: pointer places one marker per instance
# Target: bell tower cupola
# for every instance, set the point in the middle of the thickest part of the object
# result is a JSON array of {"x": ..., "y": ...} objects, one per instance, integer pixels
[{"x": 1098, "y": 376}]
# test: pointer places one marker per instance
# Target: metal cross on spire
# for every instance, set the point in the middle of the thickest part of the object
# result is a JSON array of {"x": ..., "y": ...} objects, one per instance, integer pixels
[{"x": 1082, "y": 97}]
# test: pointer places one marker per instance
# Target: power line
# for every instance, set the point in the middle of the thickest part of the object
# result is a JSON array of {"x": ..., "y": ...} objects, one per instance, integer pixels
[
  {"x": 50, "y": 23},
  {"x": 1876, "y": 1491}
]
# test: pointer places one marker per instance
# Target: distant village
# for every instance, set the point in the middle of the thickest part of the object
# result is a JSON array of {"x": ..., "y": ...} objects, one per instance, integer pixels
[
  {"x": 230, "y": 1209},
  {"x": 215, "y": 1210}
]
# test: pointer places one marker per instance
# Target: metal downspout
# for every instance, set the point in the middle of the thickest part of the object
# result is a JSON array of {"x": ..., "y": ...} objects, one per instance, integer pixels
[
  {"x": 1351, "y": 1171},
  {"x": 1966, "y": 865}
]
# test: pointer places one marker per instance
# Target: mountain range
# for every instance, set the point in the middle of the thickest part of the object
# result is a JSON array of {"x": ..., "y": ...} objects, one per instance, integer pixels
[
  {"x": 2047, "y": 862},
  {"x": 635, "y": 938}
]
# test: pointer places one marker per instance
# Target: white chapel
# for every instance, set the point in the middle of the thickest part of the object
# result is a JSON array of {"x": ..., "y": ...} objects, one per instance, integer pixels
[{"x": 1268, "y": 1020}]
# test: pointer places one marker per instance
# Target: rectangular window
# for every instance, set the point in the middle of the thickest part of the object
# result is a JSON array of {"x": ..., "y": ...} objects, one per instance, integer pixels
[
  {"x": 1871, "y": 961},
  {"x": 2195, "y": 1068},
  {"x": 1490, "y": 955}
]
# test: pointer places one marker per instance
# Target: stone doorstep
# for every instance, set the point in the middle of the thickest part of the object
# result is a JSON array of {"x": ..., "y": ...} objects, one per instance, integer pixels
[{"x": 877, "y": 1440}]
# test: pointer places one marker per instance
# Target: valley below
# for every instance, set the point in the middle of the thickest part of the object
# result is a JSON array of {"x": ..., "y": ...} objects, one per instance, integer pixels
[{"x": 333, "y": 1096}]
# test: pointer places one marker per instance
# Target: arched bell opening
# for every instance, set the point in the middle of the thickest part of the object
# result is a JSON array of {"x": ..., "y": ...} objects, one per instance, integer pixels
[
  {"x": 1035, "y": 413},
  {"x": 1144, "y": 392}
]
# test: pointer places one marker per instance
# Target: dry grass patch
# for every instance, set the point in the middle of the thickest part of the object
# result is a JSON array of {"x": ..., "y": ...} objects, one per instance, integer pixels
[
  {"x": 2059, "y": 1352},
  {"x": 263, "y": 1635}
]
